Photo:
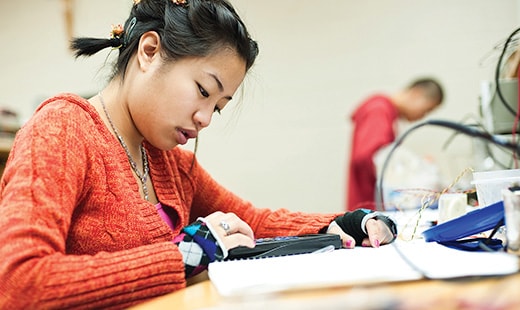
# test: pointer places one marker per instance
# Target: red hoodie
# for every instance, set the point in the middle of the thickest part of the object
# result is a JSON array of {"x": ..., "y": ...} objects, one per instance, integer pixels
[{"x": 374, "y": 122}]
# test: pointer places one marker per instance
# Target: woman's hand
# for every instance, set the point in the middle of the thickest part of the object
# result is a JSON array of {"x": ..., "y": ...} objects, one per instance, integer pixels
[
  {"x": 378, "y": 234},
  {"x": 231, "y": 230}
]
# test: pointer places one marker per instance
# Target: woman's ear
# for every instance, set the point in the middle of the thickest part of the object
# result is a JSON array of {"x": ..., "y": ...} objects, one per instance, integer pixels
[{"x": 148, "y": 50}]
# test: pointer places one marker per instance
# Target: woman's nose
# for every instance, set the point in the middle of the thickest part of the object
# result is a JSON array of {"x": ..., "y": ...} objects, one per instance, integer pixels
[{"x": 202, "y": 117}]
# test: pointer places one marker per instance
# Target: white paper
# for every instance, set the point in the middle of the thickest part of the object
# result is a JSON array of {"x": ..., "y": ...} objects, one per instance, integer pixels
[{"x": 354, "y": 267}]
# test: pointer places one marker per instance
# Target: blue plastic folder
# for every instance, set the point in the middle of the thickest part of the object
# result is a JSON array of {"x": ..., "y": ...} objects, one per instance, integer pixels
[{"x": 451, "y": 232}]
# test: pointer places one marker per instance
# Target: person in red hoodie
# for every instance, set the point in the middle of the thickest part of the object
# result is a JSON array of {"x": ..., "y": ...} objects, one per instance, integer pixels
[{"x": 374, "y": 128}]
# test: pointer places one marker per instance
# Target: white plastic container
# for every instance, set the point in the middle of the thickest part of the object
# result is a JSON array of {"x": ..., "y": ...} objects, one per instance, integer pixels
[
  {"x": 452, "y": 205},
  {"x": 489, "y": 184}
]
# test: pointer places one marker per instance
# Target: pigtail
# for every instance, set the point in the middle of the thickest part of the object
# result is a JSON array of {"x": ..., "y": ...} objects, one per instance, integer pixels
[{"x": 90, "y": 46}]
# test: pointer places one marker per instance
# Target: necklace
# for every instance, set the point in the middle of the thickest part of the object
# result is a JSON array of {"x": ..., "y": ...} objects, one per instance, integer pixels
[{"x": 143, "y": 177}]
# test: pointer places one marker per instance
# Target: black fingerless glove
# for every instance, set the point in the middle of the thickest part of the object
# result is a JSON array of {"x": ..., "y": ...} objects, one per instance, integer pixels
[{"x": 353, "y": 223}]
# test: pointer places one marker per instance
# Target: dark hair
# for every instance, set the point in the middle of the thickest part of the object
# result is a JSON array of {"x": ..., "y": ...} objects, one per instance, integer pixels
[
  {"x": 431, "y": 88},
  {"x": 195, "y": 28}
]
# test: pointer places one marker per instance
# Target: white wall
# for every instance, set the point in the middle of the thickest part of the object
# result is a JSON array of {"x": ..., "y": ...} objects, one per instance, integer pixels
[
  {"x": 286, "y": 143},
  {"x": 35, "y": 59}
]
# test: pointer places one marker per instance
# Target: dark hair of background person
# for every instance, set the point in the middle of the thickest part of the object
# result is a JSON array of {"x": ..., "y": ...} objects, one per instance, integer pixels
[{"x": 431, "y": 87}]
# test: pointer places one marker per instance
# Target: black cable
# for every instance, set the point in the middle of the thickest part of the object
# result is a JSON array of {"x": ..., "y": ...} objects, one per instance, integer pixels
[
  {"x": 467, "y": 130},
  {"x": 487, "y": 149},
  {"x": 497, "y": 74}
]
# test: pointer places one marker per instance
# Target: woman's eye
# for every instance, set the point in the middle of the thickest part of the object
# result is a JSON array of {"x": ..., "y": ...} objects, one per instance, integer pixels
[
  {"x": 203, "y": 92},
  {"x": 217, "y": 110}
]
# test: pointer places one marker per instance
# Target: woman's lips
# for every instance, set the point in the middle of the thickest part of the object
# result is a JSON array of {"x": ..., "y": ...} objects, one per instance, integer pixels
[{"x": 183, "y": 135}]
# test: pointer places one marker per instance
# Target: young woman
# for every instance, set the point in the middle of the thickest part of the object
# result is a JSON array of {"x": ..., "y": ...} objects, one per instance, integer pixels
[{"x": 100, "y": 209}]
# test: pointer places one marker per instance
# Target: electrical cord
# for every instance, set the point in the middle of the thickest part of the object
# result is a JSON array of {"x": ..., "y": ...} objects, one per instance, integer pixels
[
  {"x": 467, "y": 130},
  {"x": 498, "y": 46},
  {"x": 487, "y": 149},
  {"x": 497, "y": 73}
]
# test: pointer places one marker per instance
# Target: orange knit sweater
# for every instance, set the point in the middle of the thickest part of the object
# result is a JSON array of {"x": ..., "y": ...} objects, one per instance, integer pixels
[{"x": 75, "y": 232}]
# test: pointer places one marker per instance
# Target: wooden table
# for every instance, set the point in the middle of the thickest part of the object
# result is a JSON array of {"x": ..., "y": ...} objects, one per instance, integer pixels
[{"x": 483, "y": 293}]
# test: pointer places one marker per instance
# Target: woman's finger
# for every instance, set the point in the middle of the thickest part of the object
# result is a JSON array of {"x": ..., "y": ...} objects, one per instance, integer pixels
[
  {"x": 231, "y": 230},
  {"x": 378, "y": 233},
  {"x": 347, "y": 241},
  {"x": 235, "y": 240},
  {"x": 374, "y": 234},
  {"x": 232, "y": 224}
]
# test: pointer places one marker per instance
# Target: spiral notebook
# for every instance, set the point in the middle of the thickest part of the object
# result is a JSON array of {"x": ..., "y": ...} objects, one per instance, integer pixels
[
  {"x": 286, "y": 245},
  {"x": 400, "y": 261}
]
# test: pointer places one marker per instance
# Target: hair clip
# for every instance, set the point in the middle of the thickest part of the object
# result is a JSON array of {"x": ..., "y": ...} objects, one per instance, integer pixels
[
  {"x": 117, "y": 31},
  {"x": 131, "y": 27}
]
